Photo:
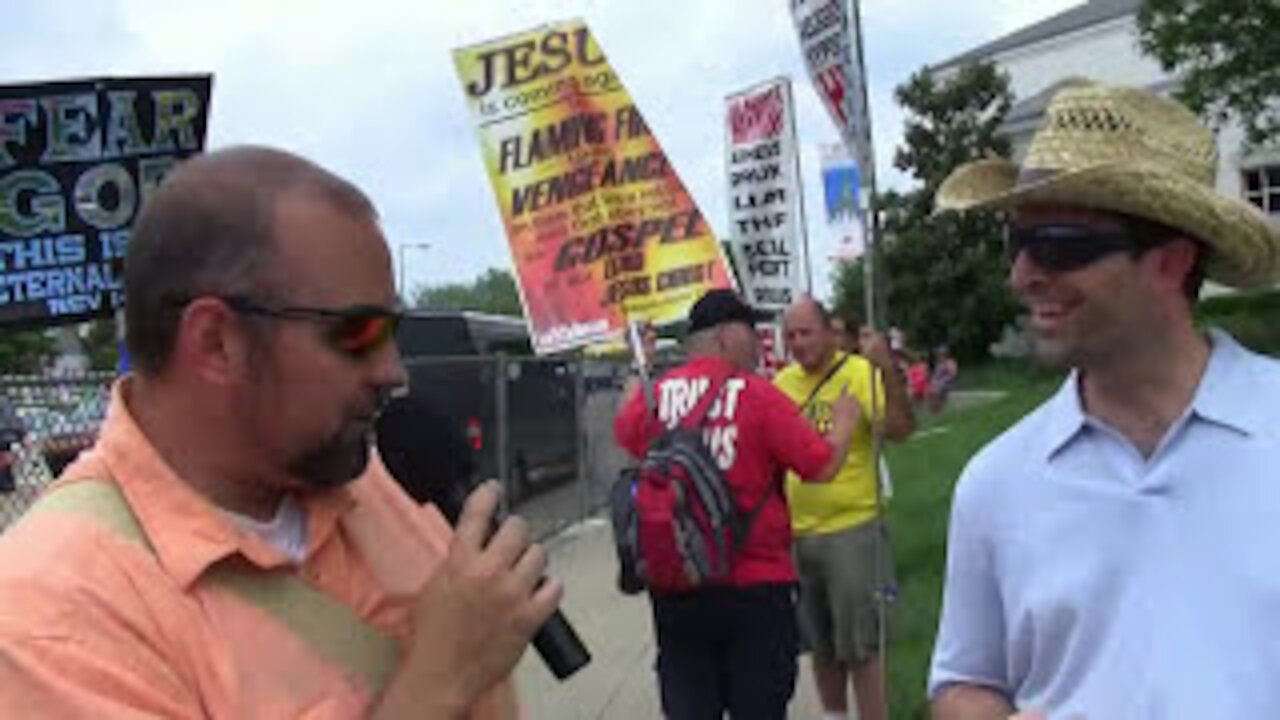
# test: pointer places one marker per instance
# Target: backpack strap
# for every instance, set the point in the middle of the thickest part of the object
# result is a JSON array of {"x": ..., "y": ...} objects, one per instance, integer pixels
[
  {"x": 695, "y": 418},
  {"x": 698, "y": 416},
  {"x": 742, "y": 522},
  {"x": 98, "y": 499},
  {"x": 822, "y": 383},
  {"x": 329, "y": 627}
]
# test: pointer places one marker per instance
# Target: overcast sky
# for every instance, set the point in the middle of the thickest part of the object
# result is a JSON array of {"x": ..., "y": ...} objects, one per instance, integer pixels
[{"x": 368, "y": 88}]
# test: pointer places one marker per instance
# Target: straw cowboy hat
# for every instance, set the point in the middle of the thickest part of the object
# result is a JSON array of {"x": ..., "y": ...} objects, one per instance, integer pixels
[{"x": 1132, "y": 152}]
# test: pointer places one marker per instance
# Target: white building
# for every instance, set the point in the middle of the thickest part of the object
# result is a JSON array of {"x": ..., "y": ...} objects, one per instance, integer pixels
[{"x": 1099, "y": 40}]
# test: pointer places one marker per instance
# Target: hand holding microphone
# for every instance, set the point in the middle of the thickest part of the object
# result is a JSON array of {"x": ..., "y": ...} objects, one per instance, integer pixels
[
  {"x": 478, "y": 612},
  {"x": 492, "y": 580}
]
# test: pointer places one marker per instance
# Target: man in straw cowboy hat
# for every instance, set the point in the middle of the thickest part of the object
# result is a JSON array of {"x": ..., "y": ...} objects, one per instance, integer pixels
[{"x": 1112, "y": 554}]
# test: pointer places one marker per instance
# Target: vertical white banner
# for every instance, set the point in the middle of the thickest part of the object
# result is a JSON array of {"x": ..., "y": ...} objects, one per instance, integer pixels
[
  {"x": 765, "y": 209},
  {"x": 841, "y": 189},
  {"x": 830, "y": 44}
]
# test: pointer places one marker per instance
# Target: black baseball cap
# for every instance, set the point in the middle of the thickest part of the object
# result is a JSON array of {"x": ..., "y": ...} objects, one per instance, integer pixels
[{"x": 722, "y": 306}]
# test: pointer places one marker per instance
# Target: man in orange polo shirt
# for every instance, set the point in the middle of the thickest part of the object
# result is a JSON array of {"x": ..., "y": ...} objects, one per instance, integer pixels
[{"x": 229, "y": 549}]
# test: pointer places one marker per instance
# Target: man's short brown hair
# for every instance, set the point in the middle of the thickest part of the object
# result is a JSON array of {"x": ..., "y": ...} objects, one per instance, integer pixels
[{"x": 207, "y": 230}]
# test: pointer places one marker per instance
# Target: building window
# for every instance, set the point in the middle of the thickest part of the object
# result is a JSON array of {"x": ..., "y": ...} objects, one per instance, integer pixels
[{"x": 1262, "y": 188}]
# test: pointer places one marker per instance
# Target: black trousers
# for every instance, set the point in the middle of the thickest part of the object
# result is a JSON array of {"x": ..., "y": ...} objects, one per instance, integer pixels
[{"x": 725, "y": 649}]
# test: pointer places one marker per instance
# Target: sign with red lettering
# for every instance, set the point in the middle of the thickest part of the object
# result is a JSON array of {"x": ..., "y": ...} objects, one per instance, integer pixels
[
  {"x": 830, "y": 42},
  {"x": 773, "y": 353},
  {"x": 768, "y": 237},
  {"x": 601, "y": 229}
]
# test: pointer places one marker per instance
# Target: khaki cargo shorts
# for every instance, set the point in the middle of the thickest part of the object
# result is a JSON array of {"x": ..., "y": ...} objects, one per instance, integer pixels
[{"x": 839, "y": 609}]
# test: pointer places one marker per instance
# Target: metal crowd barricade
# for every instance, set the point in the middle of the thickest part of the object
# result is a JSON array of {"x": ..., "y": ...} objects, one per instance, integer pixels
[
  {"x": 543, "y": 426},
  {"x": 44, "y": 424}
]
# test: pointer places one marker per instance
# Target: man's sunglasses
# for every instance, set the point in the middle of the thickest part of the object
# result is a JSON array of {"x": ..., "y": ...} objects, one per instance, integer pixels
[
  {"x": 354, "y": 331},
  {"x": 1067, "y": 247}
]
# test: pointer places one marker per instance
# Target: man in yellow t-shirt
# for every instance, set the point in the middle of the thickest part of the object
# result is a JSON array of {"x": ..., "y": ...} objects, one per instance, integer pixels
[{"x": 841, "y": 544}]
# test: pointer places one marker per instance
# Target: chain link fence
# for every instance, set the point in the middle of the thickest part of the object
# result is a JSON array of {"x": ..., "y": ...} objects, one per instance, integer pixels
[
  {"x": 544, "y": 427},
  {"x": 44, "y": 424}
]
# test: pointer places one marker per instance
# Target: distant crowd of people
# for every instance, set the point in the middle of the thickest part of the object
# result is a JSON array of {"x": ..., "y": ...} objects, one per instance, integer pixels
[{"x": 929, "y": 376}]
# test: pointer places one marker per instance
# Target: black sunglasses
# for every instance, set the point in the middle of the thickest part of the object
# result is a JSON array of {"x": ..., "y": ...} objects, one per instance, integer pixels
[
  {"x": 1067, "y": 247},
  {"x": 354, "y": 331}
]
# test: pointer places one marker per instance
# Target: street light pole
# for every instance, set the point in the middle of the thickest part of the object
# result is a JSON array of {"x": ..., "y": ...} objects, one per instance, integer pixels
[{"x": 404, "y": 288}]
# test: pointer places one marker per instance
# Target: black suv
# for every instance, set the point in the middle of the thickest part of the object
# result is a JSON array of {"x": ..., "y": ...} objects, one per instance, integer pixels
[{"x": 453, "y": 362}]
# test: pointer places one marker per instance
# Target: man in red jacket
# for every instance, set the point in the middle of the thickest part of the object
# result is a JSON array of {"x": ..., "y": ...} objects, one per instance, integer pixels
[{"x": 732, "y": 646}]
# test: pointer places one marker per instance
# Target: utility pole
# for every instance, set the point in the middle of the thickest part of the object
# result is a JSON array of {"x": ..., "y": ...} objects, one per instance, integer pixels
[
  {"x": 404, "y": 288},
  {"x": 873, "y": 300},
  {"x": 875, "y": 310}
]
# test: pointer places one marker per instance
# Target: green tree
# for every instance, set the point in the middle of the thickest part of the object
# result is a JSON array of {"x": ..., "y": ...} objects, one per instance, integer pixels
[
  {"x": 100, "y": 343},
  {"x": 943, "y": 276},
  {"x": 494, "y": 291},
  {"x": 24, "y": 351},
  {"x": 1226, "y": 54},
  {"x": 847, "y": 285}
]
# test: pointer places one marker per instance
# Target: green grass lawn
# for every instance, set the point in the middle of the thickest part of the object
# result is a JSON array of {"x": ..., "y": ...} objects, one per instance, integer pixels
[{"x": 924, "y": 471}]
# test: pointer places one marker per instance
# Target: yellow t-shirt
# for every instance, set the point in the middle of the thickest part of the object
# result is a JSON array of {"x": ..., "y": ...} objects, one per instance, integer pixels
[{"x": 850, "y": 497}]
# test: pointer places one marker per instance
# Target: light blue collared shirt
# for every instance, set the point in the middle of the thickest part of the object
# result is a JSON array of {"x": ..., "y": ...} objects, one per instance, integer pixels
[{"x": 1085, "y": 579}]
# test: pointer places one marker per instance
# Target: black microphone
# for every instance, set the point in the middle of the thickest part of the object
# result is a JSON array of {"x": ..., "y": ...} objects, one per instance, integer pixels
[{"x": 421, "y": 449}]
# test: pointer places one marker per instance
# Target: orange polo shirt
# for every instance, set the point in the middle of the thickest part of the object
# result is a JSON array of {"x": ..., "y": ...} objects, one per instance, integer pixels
[{"x": 93, "y": 624}]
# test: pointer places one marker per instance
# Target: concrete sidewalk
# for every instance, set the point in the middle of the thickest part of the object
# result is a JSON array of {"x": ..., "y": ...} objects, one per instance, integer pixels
[{"x": 618, "y": 630}]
